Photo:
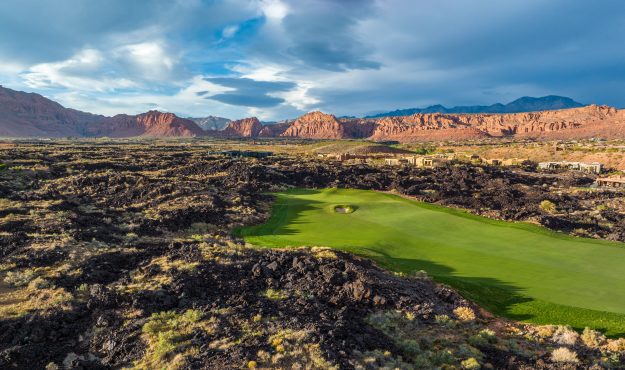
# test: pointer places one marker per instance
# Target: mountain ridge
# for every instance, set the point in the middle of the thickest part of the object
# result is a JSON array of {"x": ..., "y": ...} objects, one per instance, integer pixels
[
  {"x": 520, "y": 105},
  {"x": 32, "y": 115}
]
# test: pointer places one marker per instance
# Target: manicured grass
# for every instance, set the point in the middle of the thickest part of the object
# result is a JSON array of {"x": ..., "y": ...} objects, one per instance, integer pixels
[{"x": 517, "y": 270}]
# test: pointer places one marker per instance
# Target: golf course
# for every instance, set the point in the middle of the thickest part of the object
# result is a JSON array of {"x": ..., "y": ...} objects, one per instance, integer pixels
[{"x": 517, "y": 270}]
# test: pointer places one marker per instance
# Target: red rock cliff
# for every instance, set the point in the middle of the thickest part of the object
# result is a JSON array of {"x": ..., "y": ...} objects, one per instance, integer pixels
[
  {"x": 247, "y": 127},
  {"x": 152, "y": 123},
  {"x": 316, "y": 125}
]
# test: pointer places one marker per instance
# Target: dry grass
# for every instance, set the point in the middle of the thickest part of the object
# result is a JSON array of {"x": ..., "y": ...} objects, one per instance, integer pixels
[
  {"x": 464, "y": 314},
  {"x": 564, "y": 355}
]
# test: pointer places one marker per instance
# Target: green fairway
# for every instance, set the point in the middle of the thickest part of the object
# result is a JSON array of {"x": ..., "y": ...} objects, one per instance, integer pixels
[{"x": 517, "y": 270}]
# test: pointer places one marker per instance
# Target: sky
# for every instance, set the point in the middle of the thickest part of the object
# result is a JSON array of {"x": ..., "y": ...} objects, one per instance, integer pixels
[{"x": 277, "y": 59}]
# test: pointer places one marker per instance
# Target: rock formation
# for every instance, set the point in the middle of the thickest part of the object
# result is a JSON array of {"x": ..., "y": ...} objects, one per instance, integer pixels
[
  {"x": 151, "y": 124},
  {"x": 247, "y": 127},
  {"x": 575, "y": 123},
  {"x": 316, "y": 125},
  {"x": 32, "y": 115}
]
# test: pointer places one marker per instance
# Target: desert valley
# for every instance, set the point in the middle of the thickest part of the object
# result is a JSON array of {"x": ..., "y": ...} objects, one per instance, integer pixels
[
  {"x": 143, "y": 240},
  {"x": 312, "y": 185}
]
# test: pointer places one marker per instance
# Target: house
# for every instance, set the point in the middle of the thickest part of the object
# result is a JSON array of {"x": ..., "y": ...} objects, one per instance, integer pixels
[
  {"x": 548, "y": 165},
  {"x": 593, "y": 167},
  {"x": 243, "y": 153},
  {"x": 611, "y": 182},
  {"x": 427, "y": 161},
  {"x": 396, "y": 161}
]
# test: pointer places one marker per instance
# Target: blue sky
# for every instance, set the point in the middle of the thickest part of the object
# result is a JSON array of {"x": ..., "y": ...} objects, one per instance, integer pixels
[{"x": 277, "y": 59}]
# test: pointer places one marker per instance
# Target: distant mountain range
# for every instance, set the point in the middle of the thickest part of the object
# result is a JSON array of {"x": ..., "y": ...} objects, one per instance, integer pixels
[
  {"x": 524, "y": 104},
  {"x": 32, "y": 115}
]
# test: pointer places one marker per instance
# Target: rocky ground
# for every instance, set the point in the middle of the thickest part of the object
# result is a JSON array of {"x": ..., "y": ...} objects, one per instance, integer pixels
[{"x": 121, "y": 255}]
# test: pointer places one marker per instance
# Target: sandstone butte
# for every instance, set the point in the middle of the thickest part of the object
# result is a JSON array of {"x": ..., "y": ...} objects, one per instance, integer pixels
[
  {"x": 32, "y": 115},
  {"x": 575, "y": 123},
  {"x": 152, "y": 123}
]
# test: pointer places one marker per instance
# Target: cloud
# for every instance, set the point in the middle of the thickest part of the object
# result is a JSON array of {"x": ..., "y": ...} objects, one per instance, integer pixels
[
  {"x": 124, "y": 67},
  {"x": 247, "y": 100},
  {"x": 78, "y": 73},
  {"x": 280, "y": 58},
  {"x": 248, "y": 92}
]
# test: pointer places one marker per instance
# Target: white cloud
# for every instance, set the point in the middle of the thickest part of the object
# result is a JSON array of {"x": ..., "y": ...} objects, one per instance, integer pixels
[
  {"x": 274, "y": 10},
  {"x": 123, "y": 67},
  {"x": 80, "y": 72},
  {"x": 149, "y": 59}
]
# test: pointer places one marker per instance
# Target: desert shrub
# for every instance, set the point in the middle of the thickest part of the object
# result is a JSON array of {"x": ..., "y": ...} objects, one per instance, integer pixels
[
  {"x": 293, "y": 348},
  {"x": 39, "y": 283},
  {"x": 445, "y": 321},
  {"x": 592, "y": 338},
  {"x": 421, "y": 274},
  {"x": 275, "y": 295},
  {"x": 410, "y": 346},
  {"x": 548, "y": 206},
  {"x": 323, "y": 252},
  {"x": 442, "y": 357},
  {"x": 483, "y": 338},
  {"x": 464, "y": 314},
  {"x": 20, "y": 278},
  {"x": 167, "y": 333},
  {"x": 565, "y": 355},
  {"x": 386, "y": 321},
  {"x": 470, "y": 364},
  {"x": 467, "y": 351},
  {"x": 3, "y": 166},
  {"x": 616, "y": 345},
  {"x": 52, "y": 366},
  {"x": 546, "y": 331},
  {"x": 565, "y": 335}
]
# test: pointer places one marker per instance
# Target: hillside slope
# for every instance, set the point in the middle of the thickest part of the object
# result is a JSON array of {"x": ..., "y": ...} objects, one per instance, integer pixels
[{"x": 32, "y": 115}]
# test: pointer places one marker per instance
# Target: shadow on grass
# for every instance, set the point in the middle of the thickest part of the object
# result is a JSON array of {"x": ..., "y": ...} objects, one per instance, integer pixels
[
  {"x": 501, "y": 298},
  {"x": 283, "y": 216},
  {"x": 493, "y": 294}
]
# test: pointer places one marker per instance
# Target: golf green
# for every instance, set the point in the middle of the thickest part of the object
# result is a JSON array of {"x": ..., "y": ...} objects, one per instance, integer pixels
[{"x": 517, "y": 270}]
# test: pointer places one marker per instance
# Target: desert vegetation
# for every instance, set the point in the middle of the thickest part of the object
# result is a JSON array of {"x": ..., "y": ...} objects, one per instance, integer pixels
[{"x": 122, "y": 255}]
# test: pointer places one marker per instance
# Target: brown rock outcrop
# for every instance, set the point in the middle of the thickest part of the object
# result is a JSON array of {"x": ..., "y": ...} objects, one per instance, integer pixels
[
  {"x": 247, "y": 127},
  {"x": 151, "y": 124},
  {"x": 274, "y": 130},
  {"x": 316, "y": 125}
]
